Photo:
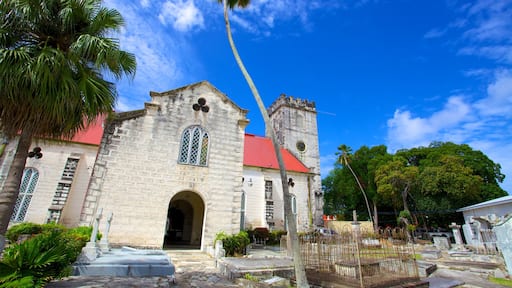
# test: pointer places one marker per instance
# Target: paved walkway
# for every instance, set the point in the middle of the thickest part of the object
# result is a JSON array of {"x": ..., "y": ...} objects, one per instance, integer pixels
[
  {"x": 196, "y": 269},
  {"x": 193, "y": 269}
]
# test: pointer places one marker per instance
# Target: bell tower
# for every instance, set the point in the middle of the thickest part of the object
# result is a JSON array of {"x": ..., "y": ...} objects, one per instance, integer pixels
[{"x": 295, "y": 123}]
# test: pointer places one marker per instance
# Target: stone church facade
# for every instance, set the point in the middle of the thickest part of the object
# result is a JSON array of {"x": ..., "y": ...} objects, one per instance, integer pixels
[{"x": 183, "y": 169}]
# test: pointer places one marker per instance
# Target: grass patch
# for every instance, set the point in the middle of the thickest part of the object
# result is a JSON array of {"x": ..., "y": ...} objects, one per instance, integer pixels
[{"x": 501, "y": 281}]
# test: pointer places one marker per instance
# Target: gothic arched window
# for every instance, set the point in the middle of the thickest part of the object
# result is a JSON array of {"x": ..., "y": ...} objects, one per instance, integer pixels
[
  {"x": 27, "y": 187},
  {"x": 194, "y": 146}
]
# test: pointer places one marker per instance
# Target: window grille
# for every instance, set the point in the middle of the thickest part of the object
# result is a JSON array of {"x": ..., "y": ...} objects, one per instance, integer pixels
[
  {"x": 69, "y": 169},
  {"x": 54, "y": 215},
  {"x": 27, "y": 187},
  {"x": 269, "y": 210},
  {"x": 61, "y": 194},
  {"x": 268, "y": 190},
  {"x": 194, "y": 146},
  {"x": 62, "y": 191}
]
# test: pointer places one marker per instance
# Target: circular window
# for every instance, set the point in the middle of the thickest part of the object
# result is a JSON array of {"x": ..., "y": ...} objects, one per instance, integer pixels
[{"x": 301, "y": 146}]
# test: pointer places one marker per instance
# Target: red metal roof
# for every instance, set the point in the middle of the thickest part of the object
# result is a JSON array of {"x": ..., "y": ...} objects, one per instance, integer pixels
[
  {"x": 92, "y": 134},
  {"x": 259, "y": 152}
]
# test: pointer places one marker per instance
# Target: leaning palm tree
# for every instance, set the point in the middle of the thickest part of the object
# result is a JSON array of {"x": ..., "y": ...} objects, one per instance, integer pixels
[
  {"x": 300, "y": 273},
  {"x": 52, "y": 56},
  {"x": 343, "y": 159}
]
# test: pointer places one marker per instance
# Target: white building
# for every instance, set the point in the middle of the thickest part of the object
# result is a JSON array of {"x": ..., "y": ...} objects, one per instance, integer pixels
[
  {"x": 178, "y": 171},
  {"x": 480, "y": 218}
]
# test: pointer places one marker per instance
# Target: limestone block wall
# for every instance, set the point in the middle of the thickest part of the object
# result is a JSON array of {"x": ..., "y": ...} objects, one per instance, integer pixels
[
  {"x": 137, "y": 171},
  {"x": 295, "y": 120}
]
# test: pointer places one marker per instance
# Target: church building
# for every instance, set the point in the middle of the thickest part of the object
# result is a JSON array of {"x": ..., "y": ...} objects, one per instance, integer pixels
[{"x": 177, "y": 172}]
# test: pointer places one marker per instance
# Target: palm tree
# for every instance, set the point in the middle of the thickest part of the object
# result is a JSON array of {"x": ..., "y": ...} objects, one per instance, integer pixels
[
  {"x": 52, "y": 56},
  {"x": 343, "y": 159},
  {"x": 300, "y": 273}
]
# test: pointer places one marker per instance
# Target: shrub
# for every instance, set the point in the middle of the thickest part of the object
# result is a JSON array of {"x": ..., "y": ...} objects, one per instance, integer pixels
[
  {"x": 45, "y": 256},
  {"x": 35, "y": 261},
  {"x": 233, "y": 244},
  {"x": 275, "y": 237},
  {"x": 23, "y": 228}
]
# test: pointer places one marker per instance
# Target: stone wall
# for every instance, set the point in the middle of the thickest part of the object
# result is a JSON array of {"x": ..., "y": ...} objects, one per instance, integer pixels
[{"x": 137, "y": 172}]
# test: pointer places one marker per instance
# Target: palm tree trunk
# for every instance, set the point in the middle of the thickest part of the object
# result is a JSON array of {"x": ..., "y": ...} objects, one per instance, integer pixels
[
  {"x": 362, "y": 191},
  {"x": 12, "y": 183},
  {"x": 300, "y": 272},
  {"x": 375, "y": 217}
]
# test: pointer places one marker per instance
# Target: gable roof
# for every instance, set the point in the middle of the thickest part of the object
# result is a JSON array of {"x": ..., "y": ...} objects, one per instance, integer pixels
[
  {"x": 493, "y": 202},
  {"x": 91, "y": 134},
  {"x": 259, "y": 152},
  {"x": 204, "y": 84}
]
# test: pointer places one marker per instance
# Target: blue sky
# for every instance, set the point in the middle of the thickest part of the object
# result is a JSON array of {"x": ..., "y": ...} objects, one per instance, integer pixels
[{"x": 402, "y": 73}]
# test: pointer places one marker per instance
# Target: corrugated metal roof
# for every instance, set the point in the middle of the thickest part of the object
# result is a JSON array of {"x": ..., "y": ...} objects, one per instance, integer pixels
[
  {"x": 92, "y": 134},
  {"x": 493, "y": 202},
  {"x": 259, "y": 152}
]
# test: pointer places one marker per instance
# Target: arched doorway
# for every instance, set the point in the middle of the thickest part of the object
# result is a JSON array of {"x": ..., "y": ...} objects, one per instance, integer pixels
[{"x": 184, "y": 221}]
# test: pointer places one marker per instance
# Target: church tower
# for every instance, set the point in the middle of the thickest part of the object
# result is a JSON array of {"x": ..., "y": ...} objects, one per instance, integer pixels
[{"x": 295, "y": 123}]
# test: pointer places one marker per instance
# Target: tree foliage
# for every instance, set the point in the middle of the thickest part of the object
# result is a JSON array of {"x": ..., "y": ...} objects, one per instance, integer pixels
[
  {"x": 53, "y": 57},
  {"x": 429, "y": 181}
]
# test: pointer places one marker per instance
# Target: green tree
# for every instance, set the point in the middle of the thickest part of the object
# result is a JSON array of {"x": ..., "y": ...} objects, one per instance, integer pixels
[
  {"x": 344, "y": 158},
  {"x": 53, "y": 54},
  {"x": 479, "y": 163},
  {"x": 338, "y": 193},
  {"x": 449, "y": 184},
  {"x": 395, "y": 180},
  {"x": 300, "y": 272}
]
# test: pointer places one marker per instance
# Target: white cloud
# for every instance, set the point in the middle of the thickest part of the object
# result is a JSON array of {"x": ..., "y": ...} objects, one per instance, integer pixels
[
  {"x": 499, "y": 99},
  {"x": 483, "y": 124},
  {"x": 404, "y": 130},
  {"x": 435, "y": 33},
  {"x": 183, "y": 15},
  {"x": 145, "y": 3},
  {"x": 161, "y": 55}
]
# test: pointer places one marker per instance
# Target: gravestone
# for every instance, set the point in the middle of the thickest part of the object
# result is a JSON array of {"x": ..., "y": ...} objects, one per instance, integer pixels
[
  {"x": 90, "y": 252},
  {"x": 504, "y": 240},
  {"x": 441, "y": 243},
  {"x": 104, "y": 245}
]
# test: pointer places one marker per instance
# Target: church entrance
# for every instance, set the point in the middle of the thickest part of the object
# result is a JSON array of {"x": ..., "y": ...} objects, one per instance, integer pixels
[{"x": 184, "y": 221}]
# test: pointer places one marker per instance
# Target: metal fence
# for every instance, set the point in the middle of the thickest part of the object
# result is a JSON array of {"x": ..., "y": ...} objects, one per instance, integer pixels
[{"x": 358, "y": 259}]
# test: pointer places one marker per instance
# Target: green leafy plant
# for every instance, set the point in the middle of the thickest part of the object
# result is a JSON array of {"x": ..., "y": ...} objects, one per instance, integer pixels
[
  {"x": 45, "y": 256},
  {"x": 233, "y": 244},
  {"x": 275, "y": 237},
  {"x": 38, "y": 258},
  {"x": 23, "y": 228},
  {"x": 250, "y": 277}
]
